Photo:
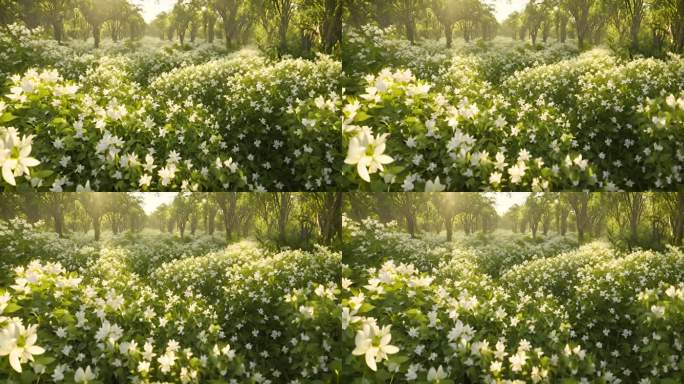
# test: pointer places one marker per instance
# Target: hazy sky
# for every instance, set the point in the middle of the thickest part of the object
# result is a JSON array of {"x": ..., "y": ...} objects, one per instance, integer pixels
[
  {"x": 152, "y": 8},
  {"x": 502, "y": 201},
  {"x": 505, "y": 200},
  {"x": 151, "y": 200},
  {"x": 503, "y": 8}
]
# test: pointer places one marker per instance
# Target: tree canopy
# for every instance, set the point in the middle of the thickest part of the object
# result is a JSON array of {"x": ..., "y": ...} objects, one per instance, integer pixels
[{"x": 297, "y": 27}]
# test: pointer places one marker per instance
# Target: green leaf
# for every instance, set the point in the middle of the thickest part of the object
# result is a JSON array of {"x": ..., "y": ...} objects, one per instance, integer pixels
[
  {"x": 45, "y": 360},
  {"x": 11, "y": 308},
  {"x": 7, "y": 117}
]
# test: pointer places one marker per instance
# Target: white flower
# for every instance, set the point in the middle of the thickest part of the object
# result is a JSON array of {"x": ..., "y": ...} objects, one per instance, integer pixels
[
  {"x": 58, "y": 373},
  {"x": 19, "y": 343},
  {"x": 145, "y": 180},
  {"x": 436, "y": 374},
  {"x": 14, "y": 155},
  {"x": 495, "y": 178},
  {"x": 366, "y": 151},
  {"x": 500, "y": 161},
  {"x": 108, "y": 332},
  {"x": 517, "y": 172},
  {"x": 348, "y": 317},
  {"x": 143, "y": 367},
  {"x": 84, "y": 376},
  {"x": 500, "y": 350},
  {"x": 167, "y": 174},
  {"x": 658, "y": 311},
  {"x": 306, "y": 311},
  {"x": 581, "y": 163},
  {"x": 84, "y": 188},
  {"x": 373, "y": 342},
  {"x": 166, "y": 362},
  {"x": 407, "y": 185},
  {"x": 517, "y": 361},
  {"x": 435, "y": 186}
]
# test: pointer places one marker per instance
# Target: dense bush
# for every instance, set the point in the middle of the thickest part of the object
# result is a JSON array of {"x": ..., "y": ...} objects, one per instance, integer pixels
[
  {"x": 508, "y": 309},
  {"x": 154, "y": 308},
  {"x": 504, "y": 116},
  {"x": 164, "y": 119}
]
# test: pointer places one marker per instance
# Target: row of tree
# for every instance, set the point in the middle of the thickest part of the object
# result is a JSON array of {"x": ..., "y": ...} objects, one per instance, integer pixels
[
  {"x": 429, "y": 212},
  {"x": 314, "y": 23},
  {"x": 76, "y": 212},
  {"x": 429, "y": 18},
  {"x": 628, "y": 219},
  {"x": 627, "y": 23},
  {"x": 284, "y": 218},
  {"x": 642, "y": 26},
  {"x": 76, "y": 18}
]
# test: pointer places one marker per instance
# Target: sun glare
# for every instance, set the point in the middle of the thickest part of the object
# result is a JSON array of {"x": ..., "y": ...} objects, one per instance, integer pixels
[{"x": 503, "y": 8}]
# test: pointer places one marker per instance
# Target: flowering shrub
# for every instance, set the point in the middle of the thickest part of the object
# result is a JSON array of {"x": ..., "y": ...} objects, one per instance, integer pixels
[
  {"x": 160, "y": 119},
  {"x": 21, "y": 243},
  {"x": 191, "y": 313},
  {"x": 507, "y": 309},
  {"x": 507, "y": 117},
  {"x": 408, "y": 326}
]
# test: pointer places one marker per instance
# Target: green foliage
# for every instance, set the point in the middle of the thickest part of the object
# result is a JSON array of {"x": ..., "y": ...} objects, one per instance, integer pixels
[
  {"x": 589, "y": 314},
  {"x": 160, "y": 309}
]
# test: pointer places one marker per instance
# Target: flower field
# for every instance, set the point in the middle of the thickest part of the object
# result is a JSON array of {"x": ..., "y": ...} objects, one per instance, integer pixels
[
  {"x": 150, "y": 307},
  {"x": 503, "y": 115},
  {"x": 151, "y": 116},
  {"x": 507, "y": 309}
]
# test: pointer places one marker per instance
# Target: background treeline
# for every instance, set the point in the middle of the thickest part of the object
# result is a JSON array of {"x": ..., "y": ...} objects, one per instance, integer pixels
[
  {"x": 284, "y": 219},
  {"x": 426, "y": 18},
  {"x": 635, "y": 26},
  {"x": 289, "y": 26},
  {"x": 76, "y": 19},
  {"x": 282, "y": 26},
  {"x": 627, "y": 219}
]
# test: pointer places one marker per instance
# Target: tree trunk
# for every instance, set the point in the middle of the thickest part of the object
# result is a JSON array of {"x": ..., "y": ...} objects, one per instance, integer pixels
[
  {"x": 282, "y": 34},
  {"x": 210, "y": 29},
  {"x": 411, "y": 224},
  {"x": 226, "y": 223},
  {"x": 59, "y": 222},
  {"x": 678, "y": 220},
  {"x": 193, "y": 32},
  {"x": 448, "y": 223},
  {"x": 448, "y": 29},
  {"x": 226, "y": 31},
  {"x": 193, "y": 225},
  {"x": 58, "y": 30},
  {"x": 564, "y": 223},
  {"x": 634, "y": 34},
  {"x": 97, "y": 227},
  {"x": 332, "y": 24},
  {"x": 283, "y": 216},
  {"x": 96, "y": 35},
  {"x": 211, "y": 218},
  {"x": 410, "y": 28},
  {"x": 563, "y": 31}
]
